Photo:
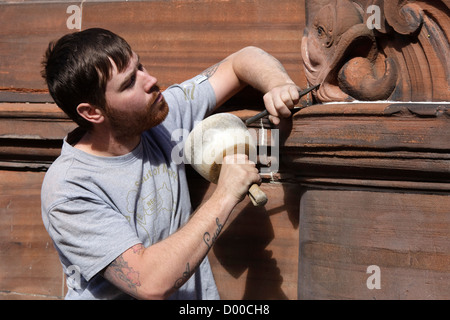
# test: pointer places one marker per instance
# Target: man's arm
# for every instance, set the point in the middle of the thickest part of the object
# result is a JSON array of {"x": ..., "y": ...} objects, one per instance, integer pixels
[
  {"x": 159, "y": 270},
  {"x": 255, "y": 67}
]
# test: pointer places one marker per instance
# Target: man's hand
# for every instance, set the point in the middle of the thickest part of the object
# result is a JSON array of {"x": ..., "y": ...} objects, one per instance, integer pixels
[
  {"x": 280, "y": 100},
  {"x": 237, "y": 174}
]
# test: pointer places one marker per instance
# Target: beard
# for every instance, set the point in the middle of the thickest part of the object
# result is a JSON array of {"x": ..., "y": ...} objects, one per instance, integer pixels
[{"x": 127, "y": 124}]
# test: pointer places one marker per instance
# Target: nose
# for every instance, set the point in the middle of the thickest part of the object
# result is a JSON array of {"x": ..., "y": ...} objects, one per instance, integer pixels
[{"x": 149, "y": 82}]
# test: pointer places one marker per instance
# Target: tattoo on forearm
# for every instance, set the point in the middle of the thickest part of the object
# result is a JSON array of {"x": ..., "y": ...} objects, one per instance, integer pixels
[
  {"x": 186, "y": 275},
  {"x": 209, "y": 241},
  {"x": 211, "y": 70}
]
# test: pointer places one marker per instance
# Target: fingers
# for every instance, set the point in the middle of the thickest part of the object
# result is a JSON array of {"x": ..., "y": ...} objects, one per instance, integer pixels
[
  {"x": 243, "y": 166},
  {"x": 237, "y": 174},
  {"x": 280, "y": 100}
]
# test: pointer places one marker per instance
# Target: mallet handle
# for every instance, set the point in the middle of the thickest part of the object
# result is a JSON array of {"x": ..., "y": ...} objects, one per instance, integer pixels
[{"x": 257, "y": 196}]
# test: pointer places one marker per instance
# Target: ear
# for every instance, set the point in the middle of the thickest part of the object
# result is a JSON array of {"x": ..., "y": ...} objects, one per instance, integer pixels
[{"x": 90, "y": 113}]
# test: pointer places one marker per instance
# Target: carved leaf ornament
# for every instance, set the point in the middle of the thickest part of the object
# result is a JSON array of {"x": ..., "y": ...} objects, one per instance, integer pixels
[{"x": 372, "y": 50}]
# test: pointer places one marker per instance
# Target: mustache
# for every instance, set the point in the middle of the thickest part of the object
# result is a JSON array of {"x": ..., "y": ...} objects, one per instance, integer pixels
[{"x": 155, "y": 88}]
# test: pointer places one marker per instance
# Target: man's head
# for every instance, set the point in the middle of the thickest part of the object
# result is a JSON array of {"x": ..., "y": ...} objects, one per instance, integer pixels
[{"x": 94, "y": 76}]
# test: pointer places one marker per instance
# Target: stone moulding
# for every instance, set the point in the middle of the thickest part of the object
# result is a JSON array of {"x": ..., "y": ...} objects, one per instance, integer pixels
[
  {"x": 30, "y": 135},
  {"x": 380, "y": 141}
]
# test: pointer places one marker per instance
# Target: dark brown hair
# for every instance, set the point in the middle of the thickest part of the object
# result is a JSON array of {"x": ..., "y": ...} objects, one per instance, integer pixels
[{"x": 78, "y": 66}]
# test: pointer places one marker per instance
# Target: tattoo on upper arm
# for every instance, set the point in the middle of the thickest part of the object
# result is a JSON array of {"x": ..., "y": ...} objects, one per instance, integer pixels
[
  {"x": 120, "y": 270},
  {"x": 138, "y": 249},
  {"x": 212, "y": 70}
]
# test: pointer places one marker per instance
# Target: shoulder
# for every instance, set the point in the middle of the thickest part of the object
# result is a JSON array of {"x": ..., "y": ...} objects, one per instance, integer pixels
[
  {"x": 57, "y": 185},
  {"x": 186, "y": 91},
  {"x": 189, "y": 102}
]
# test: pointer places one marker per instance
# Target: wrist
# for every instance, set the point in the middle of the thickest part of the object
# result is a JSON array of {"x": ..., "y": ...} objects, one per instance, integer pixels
[
  {"x": 223, "y": 202},
  {"x": 279, "y": 84}
]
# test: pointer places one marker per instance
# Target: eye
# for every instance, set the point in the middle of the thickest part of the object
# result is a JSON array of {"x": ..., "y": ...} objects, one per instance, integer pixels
[
  {"x": 320, "y": 31},
  {"x": 132, "y": 82}
]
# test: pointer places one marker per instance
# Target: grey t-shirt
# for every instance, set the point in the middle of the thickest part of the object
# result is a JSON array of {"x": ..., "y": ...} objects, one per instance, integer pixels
[{"x": 95, "y": 208}]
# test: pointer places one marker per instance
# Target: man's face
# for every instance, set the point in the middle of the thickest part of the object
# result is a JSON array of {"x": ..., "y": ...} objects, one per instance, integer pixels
[{"x": 134, "y": 102}]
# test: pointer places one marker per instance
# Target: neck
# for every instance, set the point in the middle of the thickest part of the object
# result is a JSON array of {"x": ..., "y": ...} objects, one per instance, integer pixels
[{"x": 107, "y": 145}]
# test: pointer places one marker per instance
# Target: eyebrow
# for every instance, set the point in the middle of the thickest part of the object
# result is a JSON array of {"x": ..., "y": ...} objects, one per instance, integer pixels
[{"x": 127, "y": 79}]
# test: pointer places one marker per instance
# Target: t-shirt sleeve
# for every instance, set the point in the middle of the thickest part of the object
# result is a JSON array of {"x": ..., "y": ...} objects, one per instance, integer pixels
[
  {"x": 89, "y": 234},
  {"x": 189, "y": 102}
]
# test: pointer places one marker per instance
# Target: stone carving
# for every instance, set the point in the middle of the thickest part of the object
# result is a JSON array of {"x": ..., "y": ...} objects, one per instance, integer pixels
[{"x": 378, "y": 50}]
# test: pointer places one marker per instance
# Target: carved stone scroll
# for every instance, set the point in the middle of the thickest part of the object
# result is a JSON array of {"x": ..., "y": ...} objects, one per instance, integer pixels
[{"x": 378, "y": 50}]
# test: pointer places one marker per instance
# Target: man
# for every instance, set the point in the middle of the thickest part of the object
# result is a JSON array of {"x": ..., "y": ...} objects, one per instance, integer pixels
[{"x": 115, "y": 204}]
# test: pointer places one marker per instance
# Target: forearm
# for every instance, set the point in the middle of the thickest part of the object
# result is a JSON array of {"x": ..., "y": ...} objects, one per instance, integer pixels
[
  {"x": 176, "y": 258},
  {"x": 159, "y": 270}
]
